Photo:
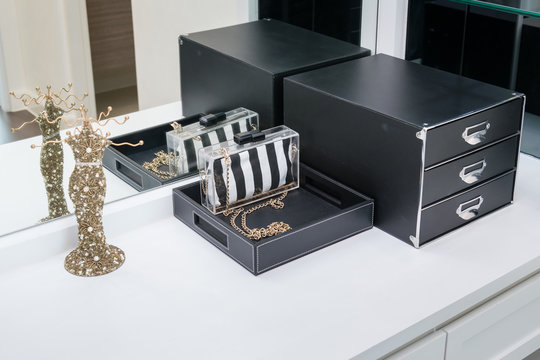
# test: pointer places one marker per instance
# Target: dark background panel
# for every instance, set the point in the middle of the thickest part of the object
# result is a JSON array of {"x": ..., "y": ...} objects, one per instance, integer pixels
[
  {"x": 528, "y": 78},
  {"x": 472, "y": 41},
  {"x": 489, "y": 43},
  {"x": 338, "y": 19},
  {"x": 442, "y": 36}
]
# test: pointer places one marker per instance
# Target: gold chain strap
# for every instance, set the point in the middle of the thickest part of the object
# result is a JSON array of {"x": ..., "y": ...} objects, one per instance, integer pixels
[
  {"x": 204, "y": 180},
  {"x": 227, "y": 164},
  {"x": 275, "y": 228},
  {"x": 161, "y": 159},
  {"x": 272, "y": 229},
  {"x": 294, "y": 151}
]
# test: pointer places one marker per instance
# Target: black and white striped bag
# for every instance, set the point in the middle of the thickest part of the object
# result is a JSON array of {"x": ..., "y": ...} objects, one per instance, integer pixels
[
  {"x": 238, "y": 174},
  {"x": 184, "y": 143}
]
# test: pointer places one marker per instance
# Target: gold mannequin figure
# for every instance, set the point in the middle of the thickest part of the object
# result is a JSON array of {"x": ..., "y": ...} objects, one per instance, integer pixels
[
  {"x": 52, "y": 155},
  {"x": 87, "y": 188}
]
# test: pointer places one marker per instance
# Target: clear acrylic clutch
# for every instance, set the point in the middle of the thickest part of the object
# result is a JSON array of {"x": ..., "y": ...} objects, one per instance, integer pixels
[
  {"x": 184, "y": 143},
  {"x": 255, "y": 165}
]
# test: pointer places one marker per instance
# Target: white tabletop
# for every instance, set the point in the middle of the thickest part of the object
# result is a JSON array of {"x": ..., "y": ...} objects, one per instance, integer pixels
[{"x": 178, "y": 297}]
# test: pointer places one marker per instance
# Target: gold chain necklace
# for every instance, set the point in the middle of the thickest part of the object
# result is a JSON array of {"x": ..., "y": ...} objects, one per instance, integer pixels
[
  {"x": 275, "y": 228},
  {"x": 161, "y": 159}
]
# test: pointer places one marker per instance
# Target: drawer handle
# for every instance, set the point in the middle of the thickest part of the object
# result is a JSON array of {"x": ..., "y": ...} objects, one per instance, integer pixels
[
  {"x": 469, "y": 209},
  {"x": 477, "y": 136},
  {"x": 474, "y": 175}
]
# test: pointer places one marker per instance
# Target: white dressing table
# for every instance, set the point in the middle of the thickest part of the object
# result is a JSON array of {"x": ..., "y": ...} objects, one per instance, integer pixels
[{"x": 474, "y": 291}]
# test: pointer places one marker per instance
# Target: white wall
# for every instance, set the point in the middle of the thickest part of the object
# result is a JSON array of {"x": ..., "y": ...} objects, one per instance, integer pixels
[
  {"x": 4, "y": 99},
  {"x": 156, "y": 27},
  {"x": 77, "y": 43},
  {"x": 392, "y": 27},
  {"x": 14, "y": 76},
  {"x": 43, "y": 43},
  {"x": 368, "y": 24}
]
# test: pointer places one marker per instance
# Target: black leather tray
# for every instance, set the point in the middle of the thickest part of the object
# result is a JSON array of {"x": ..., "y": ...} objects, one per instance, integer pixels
[
  {"x": 126, "y": 161},
  {"x": 321, "y": 212}
]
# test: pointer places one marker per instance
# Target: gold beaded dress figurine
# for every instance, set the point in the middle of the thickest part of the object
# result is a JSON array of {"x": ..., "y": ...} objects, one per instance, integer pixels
[
  {"x": 87, "y": 188},
  {"x": 52, "y": 155}
]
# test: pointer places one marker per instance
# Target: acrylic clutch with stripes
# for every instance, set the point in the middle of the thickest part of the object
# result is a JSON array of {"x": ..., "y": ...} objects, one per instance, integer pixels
[
  {"x": 184, "y": 142},
  {"x": 255, "y": 165}
]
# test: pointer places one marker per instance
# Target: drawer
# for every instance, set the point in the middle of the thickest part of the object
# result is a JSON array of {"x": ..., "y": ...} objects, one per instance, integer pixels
[
  {"x": 463, "y": 208},
  {"x": 457, "y": 175},
  {"x": 472, "y": 132},
  {"x": 431, "y": 347},
  {"x": 507, "y": 327}
]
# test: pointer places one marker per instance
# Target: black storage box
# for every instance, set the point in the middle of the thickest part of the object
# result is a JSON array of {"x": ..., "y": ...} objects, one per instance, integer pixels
[
  {"x": 321, "y": 212},
  {"x": 416, "y": 139},
  {"x": 244, "y": 65},
  {"x": 126, "y": 161}
]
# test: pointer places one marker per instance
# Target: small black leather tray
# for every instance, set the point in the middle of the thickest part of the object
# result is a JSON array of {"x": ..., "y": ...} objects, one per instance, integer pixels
[
  {"x": 321, "y": 212},
  {"x": 126, "y": 161}
]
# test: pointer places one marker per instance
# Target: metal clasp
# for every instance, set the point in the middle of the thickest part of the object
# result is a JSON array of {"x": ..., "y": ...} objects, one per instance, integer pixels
[
  {"x": 477, "y": 136},
  {"x": 472, "y": 176},
  {"x": 469, "y": 209},
  {"x": 176, "y": 127}
]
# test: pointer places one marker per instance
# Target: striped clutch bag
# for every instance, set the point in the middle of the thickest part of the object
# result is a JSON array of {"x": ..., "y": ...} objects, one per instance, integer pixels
[
  {"x": 184, "y": 143},
  {"x": 254, "y": 166}
]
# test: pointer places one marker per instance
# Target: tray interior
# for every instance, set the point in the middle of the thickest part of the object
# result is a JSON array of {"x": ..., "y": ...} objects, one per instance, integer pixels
[
  {"x": 317, "y": 199},
  {"x": 146, "y": 155},
  {"x": 155, "y": 140}
]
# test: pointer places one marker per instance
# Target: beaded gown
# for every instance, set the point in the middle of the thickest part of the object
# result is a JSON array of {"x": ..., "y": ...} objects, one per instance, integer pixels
[
  {"x": 52, "y": 162},
  {"x": 87, "y": 188}
]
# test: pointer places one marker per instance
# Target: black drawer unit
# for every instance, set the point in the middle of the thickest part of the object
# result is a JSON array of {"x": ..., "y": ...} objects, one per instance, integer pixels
[
  {"x": 244, "y": 65},
  {"x": 405, "y": 134}
]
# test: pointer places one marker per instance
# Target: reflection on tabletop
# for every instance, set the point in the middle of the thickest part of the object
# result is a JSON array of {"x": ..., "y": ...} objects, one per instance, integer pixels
[
  {"x": 51, "y": 155},
  {"x": 23, "y": 200}
]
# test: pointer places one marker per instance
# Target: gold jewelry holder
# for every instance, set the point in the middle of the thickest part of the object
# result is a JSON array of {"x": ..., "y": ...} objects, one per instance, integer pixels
[
  {"x": 87, "y": 188},
  {"x": 52, "y": 155}
]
